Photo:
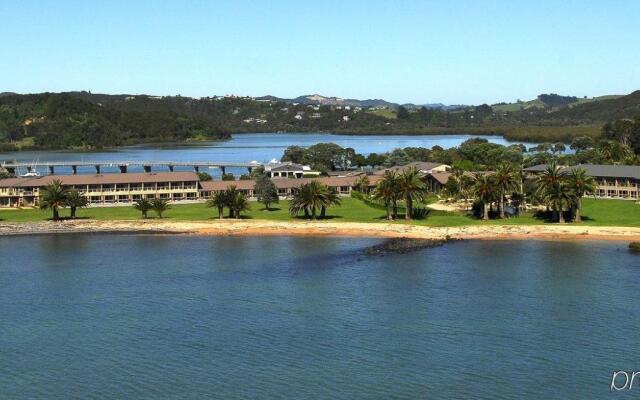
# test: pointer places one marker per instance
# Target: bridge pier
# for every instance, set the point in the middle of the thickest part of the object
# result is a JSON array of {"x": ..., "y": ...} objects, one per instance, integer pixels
[
  {"x": 74, "y": 169},
  {"x": 222, "y": 168},
  {"x": 11, "y": 170},
  {"x": 51, "y": 171},
  {"x": 170, "y": 167},
  {"x": 196, "y": 168},
  {"x": 250, "y": 169},
  {"x": 123, "y": 168},
  {"x": 147, "y": 168},
  {"x": 97, "y": 169}
]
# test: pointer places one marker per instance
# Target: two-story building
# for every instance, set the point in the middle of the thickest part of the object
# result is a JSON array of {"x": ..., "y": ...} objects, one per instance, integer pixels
[{"x": 614, "y": 181}]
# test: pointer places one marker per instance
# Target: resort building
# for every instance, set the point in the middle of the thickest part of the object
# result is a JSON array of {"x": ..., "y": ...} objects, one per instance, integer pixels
[
  {"x": 614, "y": 181},
  {"x": 343, "y": 186},
  {"x": 115, "y": 189},
  {"x": 104, "y": 188}
]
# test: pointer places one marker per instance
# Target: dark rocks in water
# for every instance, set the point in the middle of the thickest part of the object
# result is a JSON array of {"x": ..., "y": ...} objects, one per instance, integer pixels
[
  {"x": 634, "y": 247},
  {"x": 404, "y": 245}
]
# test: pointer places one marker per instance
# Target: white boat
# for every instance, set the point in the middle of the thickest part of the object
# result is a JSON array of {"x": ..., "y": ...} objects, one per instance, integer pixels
[{"x": 30, "y": 174}]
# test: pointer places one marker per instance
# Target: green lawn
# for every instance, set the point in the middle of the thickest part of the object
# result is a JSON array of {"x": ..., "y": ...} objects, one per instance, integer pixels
[{"x": 596, "y": 212}]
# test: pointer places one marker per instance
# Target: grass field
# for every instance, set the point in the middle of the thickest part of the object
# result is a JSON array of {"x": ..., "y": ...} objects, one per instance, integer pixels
[
  {"x": 595, "y": 213},
  {"x": 385, "y": 112}
]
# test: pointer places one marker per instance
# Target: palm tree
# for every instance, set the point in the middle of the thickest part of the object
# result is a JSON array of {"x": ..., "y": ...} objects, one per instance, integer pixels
[
  {"x": 484, "y": 190},
  {"x": 331, "y": 198},
  {"x": 238, "y": 203},
  {"x": 506, "y": 180},
  {"x": 580, "y": 184},
  {"x": 412, "y": 188},
  {"x": 387, "y": 191},
  {"x": 229, "y": 195},
  {"x": 457, "y": 173},
  {"x": 143, "y": 205},
  {"x": 307, "y": 198},
  {"x": 362, "y": 184},
  {"x": 75, "y": 200},
  {"x": 53, "y": 196},
  {"x": 548, "y": 180},
  {"x": 159, "y": 206},
  {"x": 559, "y": 197},
  {"x": 219, "y": 201}
]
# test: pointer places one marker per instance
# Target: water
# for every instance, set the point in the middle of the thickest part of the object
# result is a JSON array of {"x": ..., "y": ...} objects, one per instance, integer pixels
[
  {"x": 157, "y": 317},
  {"x": 246, "y": 147}
]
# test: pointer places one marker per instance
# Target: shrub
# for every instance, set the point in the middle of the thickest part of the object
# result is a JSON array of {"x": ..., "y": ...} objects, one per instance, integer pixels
[{"x": 634, "y": 247}]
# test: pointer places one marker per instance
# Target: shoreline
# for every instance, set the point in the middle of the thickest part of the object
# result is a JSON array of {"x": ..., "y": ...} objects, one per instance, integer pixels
[{"x": 216, "y": 227}]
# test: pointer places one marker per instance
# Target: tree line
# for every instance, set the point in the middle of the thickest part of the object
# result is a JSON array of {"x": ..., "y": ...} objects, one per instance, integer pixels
[{"x": 86, "y": 120}]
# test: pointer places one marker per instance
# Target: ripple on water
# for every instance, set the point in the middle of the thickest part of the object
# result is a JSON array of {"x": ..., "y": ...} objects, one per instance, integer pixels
[{"x": 191, "y": 317}]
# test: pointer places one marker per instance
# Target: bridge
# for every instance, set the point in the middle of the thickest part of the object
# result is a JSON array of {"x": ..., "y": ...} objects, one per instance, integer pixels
[{"x": 12, "y": 167}]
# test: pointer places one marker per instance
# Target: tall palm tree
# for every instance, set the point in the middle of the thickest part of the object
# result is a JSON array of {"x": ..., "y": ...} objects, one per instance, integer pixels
[
  {"x": 412, "y": 188},
  {"x": 362, "y": 184},
  {"x": 548, "y": 181},
  {"x": 143, "y": 205},
  {"x": 229, "y": 195},
  {"x": 484, "y": 190},
  {"x": 53, "y": 197},
  {"x": 219, "y": 201},
  {"x": 308, "y": 198},
  {"x": 457, "y": 173},
  {"x": 331, "y": 198},
  {"x": 160, "y": 206},
  {"x": 387, "y": 191},
  {"x": 580, "y": 184},
  {"x": 559, "y": 197},
  {"x": 506, "y": 180},
  {"x": 75, "y": 200},
  {"x": 239, "y": 203}
]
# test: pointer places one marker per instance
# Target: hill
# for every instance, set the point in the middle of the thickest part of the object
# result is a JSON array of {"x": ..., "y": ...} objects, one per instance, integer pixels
[
  {"x": 541, "y": 104},
  {"x": 71, "y": 120},
  {"x": 89, "y": 120}
]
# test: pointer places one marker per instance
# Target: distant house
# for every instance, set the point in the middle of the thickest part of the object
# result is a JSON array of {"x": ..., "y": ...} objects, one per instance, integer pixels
[
  {"x": 614, "y": 181},
  {"x": 298, "y": 117},
  {"x": 289, "y": 170},
  {"x": 422, "y": 167}
]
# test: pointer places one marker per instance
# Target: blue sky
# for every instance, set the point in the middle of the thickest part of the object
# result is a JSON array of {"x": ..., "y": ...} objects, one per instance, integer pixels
[{"x": 424, "y": 51}]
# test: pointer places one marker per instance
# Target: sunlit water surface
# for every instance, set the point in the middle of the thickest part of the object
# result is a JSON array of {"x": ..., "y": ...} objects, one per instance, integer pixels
[{"x": 157, "y": 317}]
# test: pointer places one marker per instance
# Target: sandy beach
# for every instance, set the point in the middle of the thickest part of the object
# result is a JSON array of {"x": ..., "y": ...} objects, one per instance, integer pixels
[{"x": 302, "y": 228}]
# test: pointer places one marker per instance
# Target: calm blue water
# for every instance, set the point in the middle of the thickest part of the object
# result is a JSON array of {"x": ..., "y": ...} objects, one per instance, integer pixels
[
  {"x": 157, "y": 317},
  {"x": 246, "y": 147}
]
